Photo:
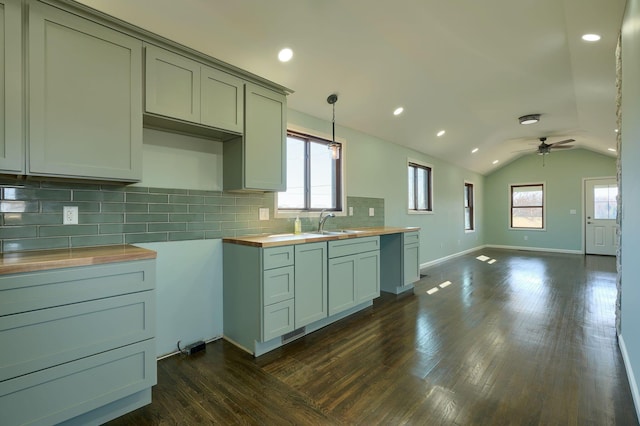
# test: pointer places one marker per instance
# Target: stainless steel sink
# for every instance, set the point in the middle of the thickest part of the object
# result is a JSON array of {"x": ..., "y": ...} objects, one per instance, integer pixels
[{"x": 341, "y": 232}]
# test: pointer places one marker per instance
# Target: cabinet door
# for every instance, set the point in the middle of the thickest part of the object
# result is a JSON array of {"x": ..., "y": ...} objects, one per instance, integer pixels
[
  {"x": 85, "y": 115},
  {"x": 367, "y": 284},
  {"x": 222, "y": 100},
  {"x": 310, "y": 283},
  {"x": 342, "y": 279},
  {"x": 264, "y": 139},
  {"x": 411, "y": 263},
  {"x": 11, "y": 140},
  {"x": 172, "y": 84},
  {"x": 278, "y": 320}
]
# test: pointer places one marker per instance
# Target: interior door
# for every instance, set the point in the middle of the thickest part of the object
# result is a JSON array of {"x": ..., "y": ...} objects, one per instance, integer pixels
[{"x": 601, "y": 209}]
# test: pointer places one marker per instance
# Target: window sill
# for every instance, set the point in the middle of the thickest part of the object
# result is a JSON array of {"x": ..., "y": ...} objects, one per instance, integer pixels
[
  {"x": 419, "y": 212},
  {"x": 527, "y": 229}
]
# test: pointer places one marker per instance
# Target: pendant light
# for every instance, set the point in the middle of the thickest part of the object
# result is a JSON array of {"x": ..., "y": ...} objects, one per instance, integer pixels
[{"x": 333, "y": 146}]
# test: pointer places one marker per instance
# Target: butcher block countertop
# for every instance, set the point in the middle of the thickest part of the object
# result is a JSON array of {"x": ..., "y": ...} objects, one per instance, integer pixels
[
  {"x": 28, "y": 261},
  {"x": 311, "y": 237}
]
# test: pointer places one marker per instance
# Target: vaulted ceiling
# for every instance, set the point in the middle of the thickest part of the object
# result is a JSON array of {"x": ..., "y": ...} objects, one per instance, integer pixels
[{"x": 468, "y": 67}]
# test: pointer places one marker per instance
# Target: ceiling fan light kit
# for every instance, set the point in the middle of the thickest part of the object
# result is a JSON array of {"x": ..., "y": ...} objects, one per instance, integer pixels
[{"x": 529, "y": 119}]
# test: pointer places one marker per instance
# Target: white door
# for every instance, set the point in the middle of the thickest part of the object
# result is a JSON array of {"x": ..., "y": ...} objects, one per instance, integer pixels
[{"x": 600, "y": 213}]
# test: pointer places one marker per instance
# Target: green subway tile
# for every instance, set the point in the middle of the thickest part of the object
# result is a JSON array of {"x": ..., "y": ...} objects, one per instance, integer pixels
[
  {"x": 221, "y": 201},
  {"x": 203, "y": 226},
  {"x": 205, "y": 193},
  {"x": 168, "y": 191},
  {"x": 122, "y": 228},
  {"x": 101, "y": 218},
  {"x": 19, "y": 207},
  {"x": 146, "y": 198},
  {"x": 236, "y": 209},
  {"x": 33, "y": 194},
  {"x": 32, "y": 219},
  {"x": 59, "y": 230},
  {"x": 125, "y": 207},
  {"x": 249, "y": 201},
  {"x": 234, "y": 225},
  {"x": 186, "y": 199},
  {"x": 145, "y": 238},
  {"x": 203, "y": 208},
  {"x": 186, "y": 217},
  {"x": 98, "y": 196},
  {"x": 247, "y": 217},
  {"x": 229, "y": 233},
  {"x": 35, "y": 244},
  {"x": 56, "y": 206},
  {"x": 100, "y": 240},
  {"x": 184, "y": 236},
  {"x": 139, "y": 217},
  {"x": 168, "y": 208},
  {"x": 220, "y": 217},
  {"x": 139, "y": 189},
  {"x": 159, "y": 227},
  {"x": 212, "y": 235},
  {"x": 18, "y": 232},
  {"x": 70, "y": 185}
]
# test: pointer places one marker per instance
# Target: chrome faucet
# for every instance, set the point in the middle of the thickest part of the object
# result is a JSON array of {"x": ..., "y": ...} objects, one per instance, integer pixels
[{"x": 323, "y": 219}]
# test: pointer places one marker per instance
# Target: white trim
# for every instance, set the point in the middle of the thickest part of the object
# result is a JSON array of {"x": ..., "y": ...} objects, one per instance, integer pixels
[
  {"x": 449, "y": 257},
  {"x": 292, "y": 214},
  {"x": 584, "y": 207},
  {"x": 473, "y": 205},
  {"x": 544, "y": 205},
  {"x": 526, "y": 248},
  {"x": 630, "y": 376}
]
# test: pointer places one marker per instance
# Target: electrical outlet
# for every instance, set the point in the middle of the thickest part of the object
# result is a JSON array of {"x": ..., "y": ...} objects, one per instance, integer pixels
[
  {"x": 70, "y": 215},
  {"x": 350, "y": 210},
  {"x": 371, "y": 211},
  {"x": 526, "y": 237},
  {"x": 264, "y": 213}
]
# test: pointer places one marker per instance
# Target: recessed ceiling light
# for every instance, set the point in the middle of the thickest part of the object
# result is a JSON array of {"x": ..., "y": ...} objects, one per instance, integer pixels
[
  {"x": 496, "y": 161},
  {"x": 611, "y": 149},
  {"x": 529, "y": 119},
  {"x": 398, "y": 111},
  {"x": 285, "y": 55},
  {"x": 616, "y": 130},
  {"x": 591, "y": 37},
  {"x": 474, "y": 150},
  {"x": 440, "y": 133}
]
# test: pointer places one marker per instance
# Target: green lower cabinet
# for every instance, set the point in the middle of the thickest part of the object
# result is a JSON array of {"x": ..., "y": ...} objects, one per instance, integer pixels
[
  {"x": 354, "y": 276},
  {"x": 310, "y": 283},
  {"x": 411, "y": 263}
]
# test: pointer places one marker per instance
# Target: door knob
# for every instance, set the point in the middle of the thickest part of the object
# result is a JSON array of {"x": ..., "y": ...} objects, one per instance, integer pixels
[{"x": 588, "y": 223}]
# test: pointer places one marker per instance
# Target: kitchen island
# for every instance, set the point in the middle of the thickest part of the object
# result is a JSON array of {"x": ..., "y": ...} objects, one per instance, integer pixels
[{"x": 280, "y": 287}]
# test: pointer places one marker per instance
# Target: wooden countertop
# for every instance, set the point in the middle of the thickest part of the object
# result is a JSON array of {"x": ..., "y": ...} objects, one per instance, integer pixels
[
  {"x": 310, "y": 237},
  {"x": 11, "y": 263}
]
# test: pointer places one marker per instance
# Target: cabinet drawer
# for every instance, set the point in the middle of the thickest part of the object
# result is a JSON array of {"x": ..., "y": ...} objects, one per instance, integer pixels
[
  {"x": 411, "y": 237},
  {"x": 48, "y": 337},
  {"x": 44, "y": 289},
  {"x": 278, "y": 320},
  {"x": 59, "y": 393},
  {"x": 278, "y": 285},
  {"x": 353, "y": 246},
  {"x": 277, "y": 257}
]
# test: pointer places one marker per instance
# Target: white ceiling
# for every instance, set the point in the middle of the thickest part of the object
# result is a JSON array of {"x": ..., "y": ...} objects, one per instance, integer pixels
[{"x": 467, "y": 66}]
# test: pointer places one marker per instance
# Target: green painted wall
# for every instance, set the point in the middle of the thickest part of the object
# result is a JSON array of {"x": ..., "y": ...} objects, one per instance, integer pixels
[
  {"x": 377, "y": 168},
  {"x": 563, "y": 174}
]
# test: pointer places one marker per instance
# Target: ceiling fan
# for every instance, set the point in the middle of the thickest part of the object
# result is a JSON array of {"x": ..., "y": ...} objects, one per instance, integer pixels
[{"x": 545, "y": 148}]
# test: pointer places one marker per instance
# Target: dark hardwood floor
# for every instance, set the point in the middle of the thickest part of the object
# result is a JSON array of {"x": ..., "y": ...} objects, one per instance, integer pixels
[{"x": 527, "y": 340}]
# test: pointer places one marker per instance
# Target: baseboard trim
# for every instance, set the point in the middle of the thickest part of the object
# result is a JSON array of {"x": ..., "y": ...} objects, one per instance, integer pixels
[
  {"x": 176, "y": 352},
  {"x": 551, "y": 250},
  {"x": 449, "y": 257},
  {"x": 630, "y": 376}
]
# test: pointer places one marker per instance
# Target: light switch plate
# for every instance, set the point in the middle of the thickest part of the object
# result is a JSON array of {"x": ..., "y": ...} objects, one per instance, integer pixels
[
  {"x": 264, "y": 213},
  {"x": 70, "y": 215},
  {"x": 371, "y": 211},
  {"x": 350, "y": 210},
  {"x": 572, "y": 211}
]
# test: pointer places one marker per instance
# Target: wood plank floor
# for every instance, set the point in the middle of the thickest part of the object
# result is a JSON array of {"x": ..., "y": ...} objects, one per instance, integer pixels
[{"x": 527, "y": 340}]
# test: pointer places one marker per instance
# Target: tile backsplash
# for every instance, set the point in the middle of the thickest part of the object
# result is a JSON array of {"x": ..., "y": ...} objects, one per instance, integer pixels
[{"x": 31, "y": 215}]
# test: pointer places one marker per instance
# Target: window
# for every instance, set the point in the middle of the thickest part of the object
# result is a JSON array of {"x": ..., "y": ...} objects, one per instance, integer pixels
[
  {"x": 527, "y": 206},
  {"x": 468, "y": 207},
  {"x": 420, "y": 197},
  {"x": 605, "y": 205},
  {"x": 313, "y": 175}
]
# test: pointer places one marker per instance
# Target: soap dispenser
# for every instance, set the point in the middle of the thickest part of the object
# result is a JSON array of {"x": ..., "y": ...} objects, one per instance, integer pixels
[{"x": 297, "y": 226}]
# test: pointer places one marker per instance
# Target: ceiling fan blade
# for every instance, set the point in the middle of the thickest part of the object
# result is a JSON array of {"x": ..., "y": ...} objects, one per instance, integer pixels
[
  {"x": 562, "y": 142},
  {"x": 561, "y": 147},
  {"x": 525, "y": 150}
]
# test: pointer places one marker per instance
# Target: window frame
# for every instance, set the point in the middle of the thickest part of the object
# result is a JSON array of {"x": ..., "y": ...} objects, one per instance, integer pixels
[
  {"x": 543, "y": 206},
  {"x": 340, "y": 177},
  {"x": 430, "y": 198},
  {"x": 472, "y": 211}
]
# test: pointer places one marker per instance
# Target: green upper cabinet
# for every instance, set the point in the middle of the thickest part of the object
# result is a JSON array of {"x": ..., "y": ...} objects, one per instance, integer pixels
[
  {"x": 183, "y": 89},
  {"x": 257, "y": 161},
  {"x": 85, "y": 97},
  {"x": 11, "y": 139}
]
